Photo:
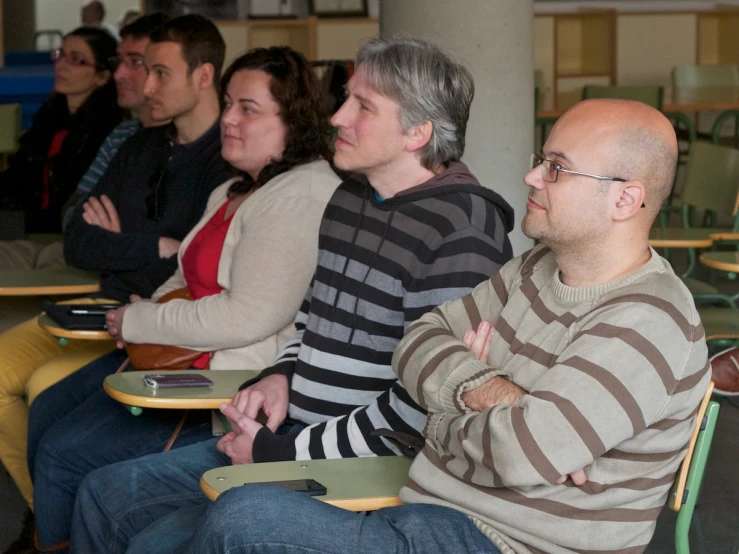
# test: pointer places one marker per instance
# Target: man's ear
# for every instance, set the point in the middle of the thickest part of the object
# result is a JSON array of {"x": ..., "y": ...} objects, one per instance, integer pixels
[
  {"x": 205, "y": 75},
  {"x": 630, "y": 200},
  {"x": 419, "y": 136}
]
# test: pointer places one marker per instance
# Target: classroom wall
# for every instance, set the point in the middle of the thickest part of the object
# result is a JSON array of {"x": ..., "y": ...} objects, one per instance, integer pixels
[
  {"x": 65, "y": 14},
  {"x": 669, "y": 40}
]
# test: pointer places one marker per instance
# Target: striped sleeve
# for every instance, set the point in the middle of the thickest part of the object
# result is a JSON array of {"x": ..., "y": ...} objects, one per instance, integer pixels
[
  {"x": 460, "y": 262},
  {"x": 101, "y": 162},
  {"x": 432, "y": 345},
  {"x": 616, "y": 377}
]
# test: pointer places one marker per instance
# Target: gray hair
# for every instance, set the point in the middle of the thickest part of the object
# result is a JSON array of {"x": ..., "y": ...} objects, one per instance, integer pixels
[{"x": 427, "y": 86}]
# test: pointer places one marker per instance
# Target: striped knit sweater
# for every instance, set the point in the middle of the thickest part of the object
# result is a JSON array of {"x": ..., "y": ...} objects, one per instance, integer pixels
[
  {"x": 381, "y": 265},
  {"x": 614, "y": 375}
]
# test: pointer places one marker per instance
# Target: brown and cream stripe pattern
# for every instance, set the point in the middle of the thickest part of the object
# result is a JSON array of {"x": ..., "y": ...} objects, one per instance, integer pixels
[{"x": 614, "y": 374}]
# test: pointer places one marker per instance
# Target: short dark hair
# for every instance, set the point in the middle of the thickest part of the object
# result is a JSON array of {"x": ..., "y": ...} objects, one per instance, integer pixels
[
  {"x": 303, "y": 108},
  {"x": 200, "y": 41},
  {"x": 103, "y": 45},
  {"x": 144, "y": 26}
]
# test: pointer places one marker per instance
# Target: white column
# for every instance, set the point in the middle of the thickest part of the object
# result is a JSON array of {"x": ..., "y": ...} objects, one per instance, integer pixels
[{"x": 494, "y": 40}]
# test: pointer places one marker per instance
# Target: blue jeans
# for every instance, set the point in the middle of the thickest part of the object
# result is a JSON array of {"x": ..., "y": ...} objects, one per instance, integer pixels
[
  {"x": 267, "y": 519},
  {"x": 61, "y": 399},
  {"x": 151, "y": 504},
  {"x": 96, "y": 432}
]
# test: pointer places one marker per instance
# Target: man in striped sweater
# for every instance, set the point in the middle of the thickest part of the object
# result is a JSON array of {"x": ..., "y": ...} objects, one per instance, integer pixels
[
  {"x": 412, "y": 229},
  {"x": 560, "y": 431}
]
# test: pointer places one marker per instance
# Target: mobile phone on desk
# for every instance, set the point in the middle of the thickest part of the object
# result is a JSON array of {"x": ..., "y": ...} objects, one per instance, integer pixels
[
  {"x": 310, "y": 487},
  {"x": 162, "y": 381}
]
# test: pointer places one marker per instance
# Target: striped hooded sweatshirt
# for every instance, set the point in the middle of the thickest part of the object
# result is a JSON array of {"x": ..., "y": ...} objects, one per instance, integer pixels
[
  {"x": 614, "y": 375},
  {"x": 381, "y": 265}
]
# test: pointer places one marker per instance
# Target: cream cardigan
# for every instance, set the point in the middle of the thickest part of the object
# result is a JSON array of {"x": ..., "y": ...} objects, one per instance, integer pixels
[{"x": 268, "y": 259}]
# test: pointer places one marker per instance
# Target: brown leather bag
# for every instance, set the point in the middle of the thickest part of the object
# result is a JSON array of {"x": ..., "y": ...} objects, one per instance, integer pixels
[
  {"x": 725, "y": 371},
  {"x": 161, "y": 356}
]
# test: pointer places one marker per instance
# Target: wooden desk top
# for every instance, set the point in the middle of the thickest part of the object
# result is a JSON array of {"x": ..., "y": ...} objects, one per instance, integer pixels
[
  {"x": 53, "y": 328},
  {"x": 42, "y": 282},
  {"x": 676, "y": 100},
  {"x": 725, "y": 235},
  {"x": 680, "y": 238},
  {"x": 723, "y": 261},
  {"x": 352, "y": 483},
  {"x": 128, "y": 388}
]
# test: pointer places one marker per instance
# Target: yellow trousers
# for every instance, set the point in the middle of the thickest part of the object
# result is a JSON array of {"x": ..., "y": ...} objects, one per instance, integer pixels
[{"x": 31, "y": 360}]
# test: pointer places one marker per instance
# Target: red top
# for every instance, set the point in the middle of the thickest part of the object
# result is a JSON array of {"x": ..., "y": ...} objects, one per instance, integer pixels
[
  {"x": 54, "y": 148},
  {"x": 200, "y": 263}
]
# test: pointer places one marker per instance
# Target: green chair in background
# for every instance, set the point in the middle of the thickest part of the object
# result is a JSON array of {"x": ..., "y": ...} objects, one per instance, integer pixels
[
  {"x": 698, "y": 76},
  {"x": 10, "y": 130},
  {"x": 711, "y": 184},
  {"x": 652, "y": 96},
  {"x": 687, "y": 486},
  {"x": 694, "y": 76},
  {"x": 718, "y": 126}
]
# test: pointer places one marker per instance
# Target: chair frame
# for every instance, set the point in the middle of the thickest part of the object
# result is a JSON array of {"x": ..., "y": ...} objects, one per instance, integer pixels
[{"x": 686, "y": 489}]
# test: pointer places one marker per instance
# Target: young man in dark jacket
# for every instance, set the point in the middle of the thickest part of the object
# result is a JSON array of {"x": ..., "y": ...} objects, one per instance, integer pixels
[{"x": 414, "y": 228}]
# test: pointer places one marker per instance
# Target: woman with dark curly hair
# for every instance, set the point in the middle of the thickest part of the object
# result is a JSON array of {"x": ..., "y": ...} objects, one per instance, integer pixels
[{"x": 246, "y": 264}]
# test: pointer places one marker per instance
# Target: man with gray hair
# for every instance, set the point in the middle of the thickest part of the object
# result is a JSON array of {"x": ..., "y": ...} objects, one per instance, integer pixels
[{"x": 411, "y": 229}]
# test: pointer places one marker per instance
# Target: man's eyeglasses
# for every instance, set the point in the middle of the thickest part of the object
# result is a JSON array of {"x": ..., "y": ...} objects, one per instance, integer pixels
[
  {"x": 550, "y": 171},
  {"x": 156, "y": 200},
  {"x": 128, "y": 61},
  {"x": 73, "y": 58}
]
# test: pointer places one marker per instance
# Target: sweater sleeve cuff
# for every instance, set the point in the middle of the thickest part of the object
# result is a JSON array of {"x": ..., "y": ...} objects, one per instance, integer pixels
[
  {"x": 283, "y": 368},
  {"x": 467, "y": 376},
  {"x": 269, "y": 447}
]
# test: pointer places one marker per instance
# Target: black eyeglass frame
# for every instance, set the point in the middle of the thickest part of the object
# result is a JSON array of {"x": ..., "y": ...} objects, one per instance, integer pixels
[
  {"x": 537, "y": 160},
  {"x": 129, "y": 61}
]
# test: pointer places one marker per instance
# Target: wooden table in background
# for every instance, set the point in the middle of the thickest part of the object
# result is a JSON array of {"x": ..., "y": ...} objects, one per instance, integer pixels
[
  {"x": 680, "y": 238},
  {"x": 358, "y": 484},
  {"x": 676, "y": 100},
  {"x": 722, "y": 261},
  {"x": 47, "y": 282}
]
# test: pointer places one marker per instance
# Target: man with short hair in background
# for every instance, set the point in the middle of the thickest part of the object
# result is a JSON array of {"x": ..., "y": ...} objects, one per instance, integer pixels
[{"x": 92, "y": 14}]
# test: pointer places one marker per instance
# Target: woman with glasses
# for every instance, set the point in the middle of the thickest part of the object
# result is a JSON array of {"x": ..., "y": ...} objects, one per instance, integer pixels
[{"x": 65, "y": 135}]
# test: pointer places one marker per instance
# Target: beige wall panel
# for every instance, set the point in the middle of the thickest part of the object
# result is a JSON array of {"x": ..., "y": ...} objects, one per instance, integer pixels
[
  {"x": 544, "y": 48},
  {"x": 569, "y": 45},
  {"x": 65, "y": 14},
  {"x": 294, "y": 37},
  {"x": 708, "y": 37},
  {"x": 340, "y": 41},
  {"x": 235, "y": 35},
  {"x": 649, "y": 46}
]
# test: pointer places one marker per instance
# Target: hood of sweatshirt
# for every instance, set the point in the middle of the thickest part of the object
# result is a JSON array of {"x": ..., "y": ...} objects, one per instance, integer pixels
[{"x": 457, "y": 178}]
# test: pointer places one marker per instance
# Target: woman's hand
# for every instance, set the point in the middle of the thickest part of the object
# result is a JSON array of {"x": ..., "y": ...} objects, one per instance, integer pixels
[{"x": 114, "y": 321}]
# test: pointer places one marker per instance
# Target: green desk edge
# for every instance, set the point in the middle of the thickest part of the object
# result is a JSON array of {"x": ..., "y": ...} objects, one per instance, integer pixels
[
  {"x": 129, "y": 388},
  {"x": 346, "y": 480}
]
